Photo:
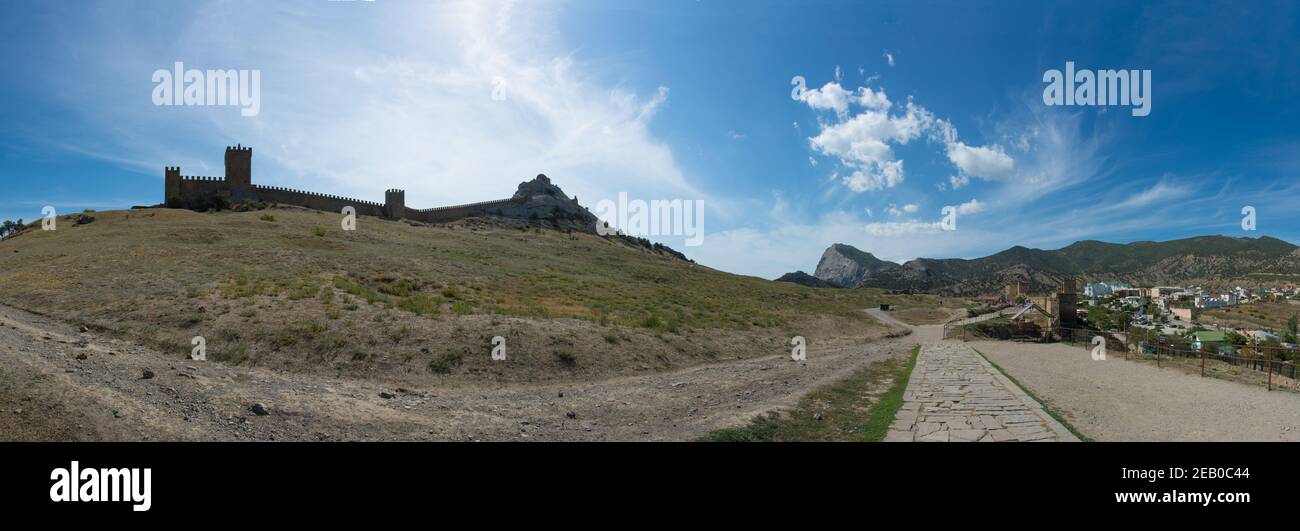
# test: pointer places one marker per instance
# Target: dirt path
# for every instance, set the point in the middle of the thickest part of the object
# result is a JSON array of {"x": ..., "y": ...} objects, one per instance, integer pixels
[
  {"x": 57, "y": 383},
  {"x": 1118, "y": 400}
]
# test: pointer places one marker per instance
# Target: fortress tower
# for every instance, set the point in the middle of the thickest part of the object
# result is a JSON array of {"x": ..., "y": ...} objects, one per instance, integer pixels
[
  {"x": 395, "y": 203},
  {"x": 1066, "y": 301},
  {"x": 171, "y": 182},
  {"x": 239, "y": 167}
]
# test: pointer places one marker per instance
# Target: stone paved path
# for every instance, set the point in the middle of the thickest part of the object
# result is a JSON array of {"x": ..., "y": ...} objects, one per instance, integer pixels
[{"x": 955, "y": 395}]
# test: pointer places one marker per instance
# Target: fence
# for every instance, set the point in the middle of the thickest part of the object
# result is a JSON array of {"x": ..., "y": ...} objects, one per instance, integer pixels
[
  {"x": 1269, "y": 360},
  {"x": 1138, "y": 343}
]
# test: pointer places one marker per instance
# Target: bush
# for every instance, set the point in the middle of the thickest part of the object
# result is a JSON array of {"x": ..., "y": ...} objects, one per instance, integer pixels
[
  {"x": 267, "y": 217},
  {"x": 445, "y": 362},
  {"x": 419, "y": 304},
  {"x": 318, "y": 231},
  {"x": 566, "y": 358}
]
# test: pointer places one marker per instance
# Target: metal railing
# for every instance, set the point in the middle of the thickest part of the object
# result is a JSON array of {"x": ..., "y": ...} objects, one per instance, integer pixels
[{"x": 1272, "y": 361}]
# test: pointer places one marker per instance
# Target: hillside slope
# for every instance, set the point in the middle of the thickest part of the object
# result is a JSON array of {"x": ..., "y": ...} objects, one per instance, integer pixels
[{"x": 287, "y": 289}]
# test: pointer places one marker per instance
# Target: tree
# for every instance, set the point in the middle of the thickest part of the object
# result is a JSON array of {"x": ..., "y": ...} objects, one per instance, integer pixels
[
  {"x": 10, "y": 227},
  {"x": 1122, "y": 320},
  {"x": 1099, "y": 317},
  {"x": 1290, "y": 335},
  {"x": 1236, "y": 339}
]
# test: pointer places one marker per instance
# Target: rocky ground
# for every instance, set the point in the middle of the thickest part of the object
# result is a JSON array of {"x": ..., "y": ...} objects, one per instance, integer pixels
[{"x": 63, "y": 383}]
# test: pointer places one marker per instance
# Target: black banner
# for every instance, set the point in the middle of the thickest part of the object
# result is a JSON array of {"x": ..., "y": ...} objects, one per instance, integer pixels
[{"x": 322, "y": 481}]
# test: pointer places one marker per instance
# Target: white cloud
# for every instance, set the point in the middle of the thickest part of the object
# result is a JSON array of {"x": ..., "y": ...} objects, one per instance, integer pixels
[
  {"x": 830, "y": 97},
  {"x": 899, "y": 228},
  {"x": 1159, "y": 193},
  {"x": 889, "y": 57},
  {"x": 863, "y": 142},
  {"x": 974, "y": 206},
  {"x": 989, "y": 163},
  {"x": 399, "y": 97},
  {"x": 878, "y": 176},
  {"x": 895, "y": 210}
]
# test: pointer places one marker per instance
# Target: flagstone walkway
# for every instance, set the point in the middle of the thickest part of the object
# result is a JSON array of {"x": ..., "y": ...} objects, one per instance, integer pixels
[{"x": 955, "y": 395}]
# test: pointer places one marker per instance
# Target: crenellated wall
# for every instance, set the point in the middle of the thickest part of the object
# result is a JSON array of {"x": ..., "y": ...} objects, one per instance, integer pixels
[
  {"x": 237, "y": 186},
  {"x": 313, "y": 200},
  {"x": 449, "y": 213},
  {"x": 194, "y": 187}
]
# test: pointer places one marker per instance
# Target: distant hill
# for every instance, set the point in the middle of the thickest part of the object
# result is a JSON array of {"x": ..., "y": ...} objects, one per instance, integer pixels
[
  {"x": 1206, "y": 260},
  {"x": 799, "y": 277}
]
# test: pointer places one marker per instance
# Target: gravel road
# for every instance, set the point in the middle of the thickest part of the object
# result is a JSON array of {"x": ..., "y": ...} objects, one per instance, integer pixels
[{"x": 1118, "y": 400}]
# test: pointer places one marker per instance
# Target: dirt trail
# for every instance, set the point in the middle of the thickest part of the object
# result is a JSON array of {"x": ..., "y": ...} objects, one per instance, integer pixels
[
  {"x": 1119, "y": 400},
  {"x": 58, "y": 383}
]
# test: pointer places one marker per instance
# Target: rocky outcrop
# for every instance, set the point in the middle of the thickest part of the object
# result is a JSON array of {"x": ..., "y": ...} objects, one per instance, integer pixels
[
  {"x": 538, "y": 200},
  {"x": 846, "y": 266}
]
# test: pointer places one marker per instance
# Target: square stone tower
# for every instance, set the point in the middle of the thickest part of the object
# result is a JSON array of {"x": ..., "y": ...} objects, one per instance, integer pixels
[
  {"x": 239, "y": 167},
  {"x": 395, "y": 203}
]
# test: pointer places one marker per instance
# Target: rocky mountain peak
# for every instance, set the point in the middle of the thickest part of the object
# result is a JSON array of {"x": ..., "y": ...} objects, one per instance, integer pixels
[{"x": 846, "y": 266}]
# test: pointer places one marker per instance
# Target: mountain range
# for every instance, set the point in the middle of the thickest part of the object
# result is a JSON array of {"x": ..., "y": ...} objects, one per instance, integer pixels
[{"x": 1204, "y": 260}]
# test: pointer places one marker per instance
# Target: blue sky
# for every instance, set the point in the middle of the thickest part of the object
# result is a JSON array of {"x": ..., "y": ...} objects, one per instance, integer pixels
[{"x": 911, "y": 107}]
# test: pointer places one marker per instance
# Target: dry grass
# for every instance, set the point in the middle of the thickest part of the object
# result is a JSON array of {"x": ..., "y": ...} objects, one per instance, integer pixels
[
  {"x": 1265, "y": 315},
  {"x": 391, "y": 299}
]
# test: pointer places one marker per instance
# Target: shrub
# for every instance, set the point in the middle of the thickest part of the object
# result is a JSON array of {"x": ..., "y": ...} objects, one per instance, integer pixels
[
  {"x": 236, "y": 355},
  {"x": 566, "y": 358},
  {"x": 445, "y": 362},
  {"x": 419, "y": 304},
  {"x": 318, "y": 231}
]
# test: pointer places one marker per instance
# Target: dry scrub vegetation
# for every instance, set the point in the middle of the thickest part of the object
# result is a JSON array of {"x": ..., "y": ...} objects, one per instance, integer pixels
[{"x": 287, "y": 289}]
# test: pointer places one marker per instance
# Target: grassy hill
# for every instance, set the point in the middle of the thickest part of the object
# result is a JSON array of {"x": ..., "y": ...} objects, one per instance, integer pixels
[{"x": 287, "y": 288}]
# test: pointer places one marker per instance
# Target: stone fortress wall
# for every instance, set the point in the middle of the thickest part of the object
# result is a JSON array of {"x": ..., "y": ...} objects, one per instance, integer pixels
[{"x": 237, "y": 185}]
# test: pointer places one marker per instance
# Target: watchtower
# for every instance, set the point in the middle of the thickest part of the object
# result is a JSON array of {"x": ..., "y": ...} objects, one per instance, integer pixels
[
  {"x": 1066, "y": 301},
  {"x": 395, "y": 203},
  {"x": 171, "y": 182},
  {"x": 239, "y": 167}
]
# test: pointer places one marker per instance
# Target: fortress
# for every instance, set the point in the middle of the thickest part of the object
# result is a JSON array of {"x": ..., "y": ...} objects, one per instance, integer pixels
[{"x": 536, "y": 199}]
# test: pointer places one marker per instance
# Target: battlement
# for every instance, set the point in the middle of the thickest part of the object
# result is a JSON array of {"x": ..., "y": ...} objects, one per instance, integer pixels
[
  {"x": 481, "y": 204},
  {"x": 237, "y": 186},
  {"x": 316, "y": 194}
]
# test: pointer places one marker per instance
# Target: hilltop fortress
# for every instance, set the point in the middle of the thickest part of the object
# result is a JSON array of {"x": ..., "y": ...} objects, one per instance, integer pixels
[{"x": 537, "y": 199}]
